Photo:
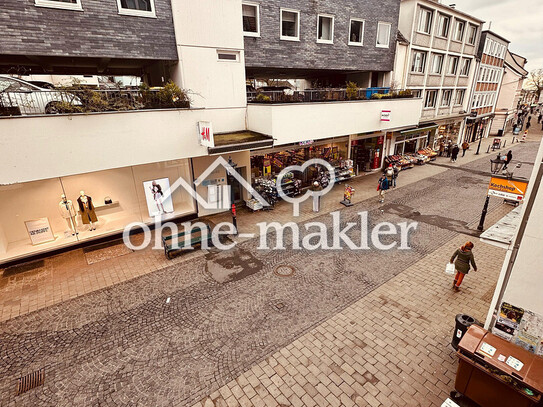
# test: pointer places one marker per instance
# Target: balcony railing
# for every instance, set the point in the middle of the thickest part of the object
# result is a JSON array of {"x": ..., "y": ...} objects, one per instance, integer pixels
[
  {"x": 58, "y": 101},
  {"x": 325, "y": 95}
]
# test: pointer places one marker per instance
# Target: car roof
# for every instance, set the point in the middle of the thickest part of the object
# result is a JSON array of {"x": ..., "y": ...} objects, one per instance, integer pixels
[{"x": 22, "y": 81}]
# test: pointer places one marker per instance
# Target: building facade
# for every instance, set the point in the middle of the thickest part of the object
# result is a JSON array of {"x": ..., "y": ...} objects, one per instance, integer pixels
[
  {"x": 491, "y": 54},
  {"x": 437, "y": 62}
]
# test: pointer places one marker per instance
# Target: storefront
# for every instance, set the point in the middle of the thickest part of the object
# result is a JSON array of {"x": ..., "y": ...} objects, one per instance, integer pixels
[
  {"x": 44, "y": 215},
  {"x": 367, "y": 152},
  {"x": 477, "y": 127},
  {"x": 412, "y": 140},
  {"x": 446, "y": 133}
]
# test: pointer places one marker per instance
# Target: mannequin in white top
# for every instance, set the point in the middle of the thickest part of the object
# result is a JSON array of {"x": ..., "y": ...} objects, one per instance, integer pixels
[{"x": 67, "y": 211}]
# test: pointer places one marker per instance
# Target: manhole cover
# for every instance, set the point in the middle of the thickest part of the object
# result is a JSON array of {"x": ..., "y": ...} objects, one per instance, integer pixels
[
  {"x": 284, "y": 271},
  {"x": 30, "y": 381}
]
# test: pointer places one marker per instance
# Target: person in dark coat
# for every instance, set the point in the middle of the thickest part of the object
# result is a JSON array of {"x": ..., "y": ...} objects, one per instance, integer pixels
[
  {"x": 449, "y": 148},
  {"x": 528, "y": 124},
  {"x": 508, "y": 159},
  {"x": 539, "y": 118},
  {"x": 382, "y": 187},
  {"x": 454, "y": 153},
  {"x": 464, "y": 257}
]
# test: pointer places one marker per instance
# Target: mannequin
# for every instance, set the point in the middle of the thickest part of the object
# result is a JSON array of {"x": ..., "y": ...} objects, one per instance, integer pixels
[
  {"x": 86, "y": 209},
  {"x": 67, "y": 211}
]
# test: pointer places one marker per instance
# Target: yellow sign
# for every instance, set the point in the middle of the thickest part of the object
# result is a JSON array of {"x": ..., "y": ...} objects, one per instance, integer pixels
[{"x": 507, "y": 188}]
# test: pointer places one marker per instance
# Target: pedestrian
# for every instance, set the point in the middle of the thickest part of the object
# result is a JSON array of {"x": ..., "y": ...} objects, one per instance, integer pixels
[
  {"x": 454, "y": 153},
  {"x": 508, "y": 159},
  {"x": 528, "y": 124},
  {"x": 449, "y": 148},
  {"x": 465, "y": 146},
  {"x": 441, "y": 148},
  {"x": 539, "y": 118},
  {"x": 382, "y": 187},
  {"x": 316, "y": 199},
  {"x": 396, "y": 173},
  {"x": 389, "y": 173},
  {"x": 464, "y": 257}
]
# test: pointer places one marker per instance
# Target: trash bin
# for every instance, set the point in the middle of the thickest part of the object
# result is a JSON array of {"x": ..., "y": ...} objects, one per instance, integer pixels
[
  {"x": 463, "y": 322},
  {"x": 500, "y": 133},
  {"x": 493, "y": 372}
]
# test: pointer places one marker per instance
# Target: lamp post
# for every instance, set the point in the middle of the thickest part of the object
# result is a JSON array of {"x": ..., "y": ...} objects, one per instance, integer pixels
[
  {"x": 230, "y": 179},
  {"x": 496, "y": 166}
]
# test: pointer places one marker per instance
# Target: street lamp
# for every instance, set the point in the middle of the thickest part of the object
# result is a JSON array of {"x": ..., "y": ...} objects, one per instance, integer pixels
[
  {"x": 496, "y": 166},
  {"x": 230, "y": 179}
]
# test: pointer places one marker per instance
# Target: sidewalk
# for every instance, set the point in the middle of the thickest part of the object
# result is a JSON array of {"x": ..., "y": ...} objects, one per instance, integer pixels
[{"x": 75, "y": 273}]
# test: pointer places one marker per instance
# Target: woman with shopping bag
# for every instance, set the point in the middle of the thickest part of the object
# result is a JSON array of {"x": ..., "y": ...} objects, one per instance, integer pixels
[{"x": 464, "y": 258}]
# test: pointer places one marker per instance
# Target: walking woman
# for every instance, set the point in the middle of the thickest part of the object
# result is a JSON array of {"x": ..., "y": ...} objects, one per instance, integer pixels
[{"x": 464, "y": 257}]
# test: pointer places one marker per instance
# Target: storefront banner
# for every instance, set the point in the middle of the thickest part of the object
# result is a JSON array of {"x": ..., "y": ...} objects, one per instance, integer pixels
[
  {"x": 205, "y": 134},
  {"x": 507, "y": 188},
  {"x": 39, "y": 231},
  {"x": 306, "y": 142},
  {"x": 385, "y": 115}
]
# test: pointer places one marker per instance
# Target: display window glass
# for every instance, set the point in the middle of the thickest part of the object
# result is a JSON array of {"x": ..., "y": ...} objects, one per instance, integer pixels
[{"x": 43, "y": 215}]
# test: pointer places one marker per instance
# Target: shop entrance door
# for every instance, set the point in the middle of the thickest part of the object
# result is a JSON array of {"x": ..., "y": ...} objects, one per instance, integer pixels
[{"x": 236, "y": 188}]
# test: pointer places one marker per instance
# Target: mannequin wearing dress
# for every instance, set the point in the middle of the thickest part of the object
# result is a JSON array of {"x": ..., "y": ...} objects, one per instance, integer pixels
[
  {"x": 67, "y": 211},
  {"x": 86, "y": 209}
]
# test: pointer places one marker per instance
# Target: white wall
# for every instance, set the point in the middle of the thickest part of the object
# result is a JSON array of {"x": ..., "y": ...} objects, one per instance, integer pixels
[
  {"x": 34, "y": 148},
  {"x": 202, "y": 27},
  {"x": 291, "y": 123},
  {"x": 401, "y": 65}
]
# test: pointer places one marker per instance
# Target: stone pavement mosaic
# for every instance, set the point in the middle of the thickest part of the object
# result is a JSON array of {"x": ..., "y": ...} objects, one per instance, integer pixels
[{"x": 174, "y": 336}]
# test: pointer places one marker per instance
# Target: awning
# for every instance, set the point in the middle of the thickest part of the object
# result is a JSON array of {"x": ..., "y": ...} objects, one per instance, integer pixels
[
  {"x": 239, "y": 141},
  {"x": 414, "y": 130}
]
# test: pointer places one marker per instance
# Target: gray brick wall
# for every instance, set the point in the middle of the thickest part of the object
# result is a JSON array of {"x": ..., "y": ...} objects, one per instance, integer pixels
[
  {"x": 270, "y": 51},
  {"x": 97, "y": 31}
]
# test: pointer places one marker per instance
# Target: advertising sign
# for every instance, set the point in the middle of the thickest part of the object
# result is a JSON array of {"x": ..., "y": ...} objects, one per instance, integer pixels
[
  {"x": 507, "y": 188},
  {"x": 385, "y": 115},
  {"x": 157, "y": 205},
  {"x": 39, "y": 231},
  {"x": 205, "y": 134}
]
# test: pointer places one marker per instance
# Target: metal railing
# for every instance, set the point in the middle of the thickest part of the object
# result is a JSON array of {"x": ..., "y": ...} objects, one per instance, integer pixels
[
  {"x": 323, "y": 95},
  {"x": 57, "y": 101}
]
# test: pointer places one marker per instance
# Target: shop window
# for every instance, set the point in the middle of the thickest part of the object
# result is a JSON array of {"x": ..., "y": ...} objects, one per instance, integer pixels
[
  {"x": 446, "y": 98},
  {"x": 437, "y": 65},
  {"x": 140, "y": 8},
  {"x": 419, "y": 62},
  {"x": 472, "y": 34},
  {"x": 460, "y": 94},
  {"x": 383, "y": 35},
  {"x": 251, "y": 16},
  {"x": 459, "y": 31},
  {"x": 425, "y": 20},
  {"x": 356, "y": 33},
  {"x": 290, "y": 25},
  {"x": 466, "y": 64},
  {"x": 325, "y": 29},
  {"x": 63, "y": 4},
  {"x": 443, "y": 26},
  {"x": 453, "y": 65},
  {"x": 430, "y": 99}
]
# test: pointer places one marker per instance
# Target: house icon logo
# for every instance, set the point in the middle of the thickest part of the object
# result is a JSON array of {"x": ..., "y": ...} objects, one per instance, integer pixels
[{"x": 218, "y": 195}]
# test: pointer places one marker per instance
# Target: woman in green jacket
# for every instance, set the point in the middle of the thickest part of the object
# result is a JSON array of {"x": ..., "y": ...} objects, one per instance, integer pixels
[{"x": 464, "y": 257}]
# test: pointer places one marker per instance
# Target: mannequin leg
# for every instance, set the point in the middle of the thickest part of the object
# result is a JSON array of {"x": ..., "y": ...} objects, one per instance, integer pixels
[
  {"x": 73, "y": 221},
  {"x": 69, "y": 223}
]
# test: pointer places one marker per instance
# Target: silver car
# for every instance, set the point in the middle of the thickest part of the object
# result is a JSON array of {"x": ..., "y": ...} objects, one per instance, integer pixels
[{"x": 21, "y": 97}]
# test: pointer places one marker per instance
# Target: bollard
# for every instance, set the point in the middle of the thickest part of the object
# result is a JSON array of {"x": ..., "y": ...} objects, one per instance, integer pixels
[
  {"x": 488, "y": 149},
  {"x": 504, "y": 143}
]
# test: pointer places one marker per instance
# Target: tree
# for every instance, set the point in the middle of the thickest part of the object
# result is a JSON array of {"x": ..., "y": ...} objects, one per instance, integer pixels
[{"x": 535, "y": 81}]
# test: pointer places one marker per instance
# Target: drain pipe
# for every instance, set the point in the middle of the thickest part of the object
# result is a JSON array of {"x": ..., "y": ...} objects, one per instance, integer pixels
[{"x": 512, "y": 253}]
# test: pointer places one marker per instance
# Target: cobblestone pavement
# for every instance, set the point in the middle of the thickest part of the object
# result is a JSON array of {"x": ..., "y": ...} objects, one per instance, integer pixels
[{"x": 175, "y": 336}]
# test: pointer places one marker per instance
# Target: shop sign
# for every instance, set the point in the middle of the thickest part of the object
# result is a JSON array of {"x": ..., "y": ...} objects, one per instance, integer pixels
[
  {"x": 39, "y": 231},
  {"x": 385, "y": 115},
  {"x": 306, "y": 142},
  {"x": 507, "y": 188},
  {"x": 205, "y": 134}
]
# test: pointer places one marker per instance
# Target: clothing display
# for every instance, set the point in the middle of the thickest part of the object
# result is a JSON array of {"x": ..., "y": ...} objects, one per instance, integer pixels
[
  {"x": 68, "y": 212},
  {"x": 86, "y": 209}
]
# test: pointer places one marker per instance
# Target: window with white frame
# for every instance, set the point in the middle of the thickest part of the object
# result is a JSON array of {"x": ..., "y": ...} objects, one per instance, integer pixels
[
  {"x": 466, "y": 64},
  {"x": 325, "y": 29},
  {"x": 486, "y": 49},
  {"x": 446, "y": 98},
  {"x": 459, "y": 98},
  {"x": 383, "y": 35},
  {"x": 251, "y": 19},
  {"x": 430, "y": 99},
  {"x": 425, "y": 20},
  {"x": 141, "y": 8},
  {"x": 437, "y": 63},
  {"x": 63, "y": 4},
  {"x": 356, "y": 32},
  {"x": 228, "y": 56},
  {"x": 453, "y": 65},
  {"x": 290, "y": 25},
  {"x": 417, "y": 93},
  {"x": 443, "y": 26},
  {"x": 459, "y": 31},
  {"x": 472, "y": 34},
  {"x": 419, "y": 62}
]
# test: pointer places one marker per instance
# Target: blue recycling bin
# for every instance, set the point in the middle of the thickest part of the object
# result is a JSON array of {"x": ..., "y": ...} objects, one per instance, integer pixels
[{"x": 371, "y": 91}]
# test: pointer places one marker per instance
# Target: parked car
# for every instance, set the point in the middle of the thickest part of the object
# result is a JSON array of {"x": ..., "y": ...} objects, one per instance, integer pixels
[
  {"x": 42, "y": 84},
  {"x": 22, "y": 97}
]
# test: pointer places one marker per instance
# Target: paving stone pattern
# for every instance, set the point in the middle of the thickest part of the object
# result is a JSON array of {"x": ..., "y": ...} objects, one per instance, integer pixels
[{"x": 127, "y": 345}]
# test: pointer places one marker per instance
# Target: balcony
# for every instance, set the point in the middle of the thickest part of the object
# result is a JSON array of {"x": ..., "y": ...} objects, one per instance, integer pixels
[
  {"x": 322, "y": 95},
  {"x": 293, "y": 122}
]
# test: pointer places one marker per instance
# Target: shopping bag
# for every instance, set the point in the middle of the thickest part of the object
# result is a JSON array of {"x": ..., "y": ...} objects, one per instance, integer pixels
[{"x": 449, "y": 269}]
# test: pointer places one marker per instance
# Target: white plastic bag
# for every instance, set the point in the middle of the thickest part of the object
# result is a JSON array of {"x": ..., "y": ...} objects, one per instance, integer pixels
[{"x": 449, "y": 269}]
